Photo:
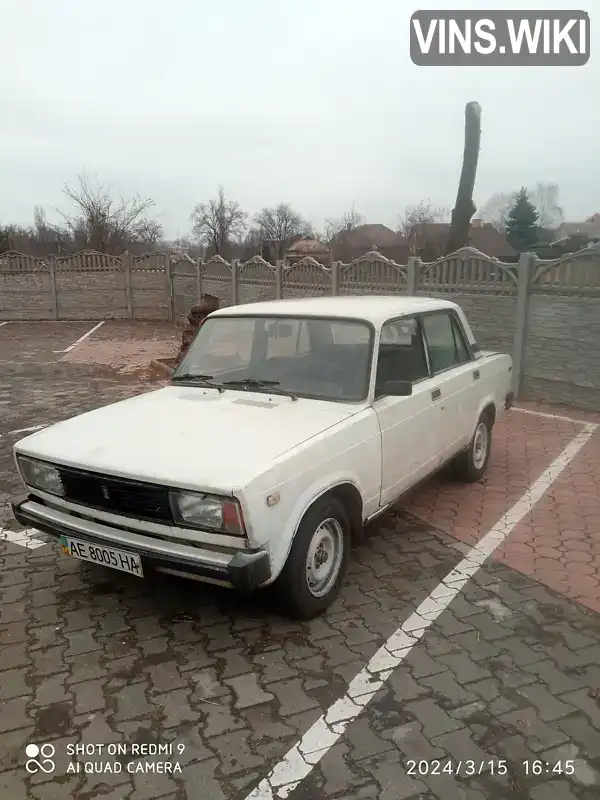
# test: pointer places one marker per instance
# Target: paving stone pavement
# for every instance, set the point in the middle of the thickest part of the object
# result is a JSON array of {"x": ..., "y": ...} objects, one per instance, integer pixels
[
  {"x": 558, "y": 542},
  {"x": 503, "y": 686}
]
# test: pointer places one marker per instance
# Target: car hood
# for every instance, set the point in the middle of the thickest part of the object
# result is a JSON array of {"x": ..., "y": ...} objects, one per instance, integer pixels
[{"x": 187, "y": 437}]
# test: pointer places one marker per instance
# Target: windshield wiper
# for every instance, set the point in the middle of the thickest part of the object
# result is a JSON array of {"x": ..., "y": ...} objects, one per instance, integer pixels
[
  {"x": 201, "y": 380},
  {"x": 272, "y": 386}
]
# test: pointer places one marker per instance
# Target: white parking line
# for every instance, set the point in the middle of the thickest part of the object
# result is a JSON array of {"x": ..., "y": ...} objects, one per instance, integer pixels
[
  {"x": 4, "y": 323},
  {"x": 31, "y": 429},
  {"x": 298, "y": 762},
  {"x": 26, "y": 538},
  {"x": 81, "y": 339},
  {"x": 546, "y": 415}
]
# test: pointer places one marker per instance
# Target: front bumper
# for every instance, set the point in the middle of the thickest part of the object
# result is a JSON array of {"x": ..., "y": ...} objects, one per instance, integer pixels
[{"x": 244, "y": 570}]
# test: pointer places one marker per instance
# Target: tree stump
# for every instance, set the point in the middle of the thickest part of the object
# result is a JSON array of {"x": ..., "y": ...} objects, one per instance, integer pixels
[{"x": 208, "y": 303}]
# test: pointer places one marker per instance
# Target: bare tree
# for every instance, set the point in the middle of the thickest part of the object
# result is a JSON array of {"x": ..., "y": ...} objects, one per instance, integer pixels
[
  {"x": 412, "y": 224},
  {"x": 497, "y": 208},
  {"x": 101, "y": 222},
  {"x": 464, "y": 208},
  {"x": 219, "y": 222},
  {"x": 40, "y": 223},
  {"x": 150, "y": 233},
  {"x": 349, "y": 221},
  {"x": 545, "y": 198},
  {"x": 279, "y": 225}
]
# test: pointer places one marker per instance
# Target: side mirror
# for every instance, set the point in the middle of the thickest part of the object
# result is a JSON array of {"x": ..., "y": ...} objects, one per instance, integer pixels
[{"x": 395, "y": 388}]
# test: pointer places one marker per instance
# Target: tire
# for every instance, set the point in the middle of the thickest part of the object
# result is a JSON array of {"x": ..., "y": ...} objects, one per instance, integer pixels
[
  {"x": 471, "y": 465},
  {"x": 306, "y": 587}
]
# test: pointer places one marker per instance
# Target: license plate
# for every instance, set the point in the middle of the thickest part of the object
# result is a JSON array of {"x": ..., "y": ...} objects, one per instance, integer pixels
[{"x": 99, "y": 554}]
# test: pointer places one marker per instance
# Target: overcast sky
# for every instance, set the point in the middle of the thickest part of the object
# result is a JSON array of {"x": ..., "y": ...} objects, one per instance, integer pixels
[{"x": 314, "y": 102}]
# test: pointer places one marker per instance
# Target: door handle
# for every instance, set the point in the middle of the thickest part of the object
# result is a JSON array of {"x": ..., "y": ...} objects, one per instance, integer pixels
[
  {"x": 436, "y": 394},
  {"x": 476, "y": 375}
]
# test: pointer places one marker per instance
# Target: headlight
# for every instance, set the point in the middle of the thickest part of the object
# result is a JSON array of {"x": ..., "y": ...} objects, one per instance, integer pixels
[
  {"x": 207, "y": 511},
  {"x": 41, "y": 476}
]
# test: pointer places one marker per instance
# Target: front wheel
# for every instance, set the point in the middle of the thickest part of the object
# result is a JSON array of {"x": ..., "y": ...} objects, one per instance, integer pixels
[
  {"x": 471, "y": 465},
  {"x": 314, "y": 571}
]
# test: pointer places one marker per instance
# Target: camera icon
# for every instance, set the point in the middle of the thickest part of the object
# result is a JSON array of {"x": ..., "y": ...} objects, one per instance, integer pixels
[{"x": 45, "y": 753}]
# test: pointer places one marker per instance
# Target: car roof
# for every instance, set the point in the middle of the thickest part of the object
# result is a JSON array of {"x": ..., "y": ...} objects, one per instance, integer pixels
[{"x": 376, "y": 309}]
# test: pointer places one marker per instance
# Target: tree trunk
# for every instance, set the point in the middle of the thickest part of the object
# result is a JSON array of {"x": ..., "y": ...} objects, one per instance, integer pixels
[{"x": 465, "y": 207}]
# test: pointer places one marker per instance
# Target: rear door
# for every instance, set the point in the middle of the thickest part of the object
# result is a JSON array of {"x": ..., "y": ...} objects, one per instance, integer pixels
[
  {"x": 411, "y": 427},
  {"x": 456, "y": 374}
]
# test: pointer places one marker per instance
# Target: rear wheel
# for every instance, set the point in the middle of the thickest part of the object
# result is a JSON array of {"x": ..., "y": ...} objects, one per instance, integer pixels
[
  {"x": 316, "y": 565},
  {"x": 471, "y": 465}
]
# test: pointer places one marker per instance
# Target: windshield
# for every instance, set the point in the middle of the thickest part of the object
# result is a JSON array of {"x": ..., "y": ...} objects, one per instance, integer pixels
[{"x": 326, "y": 359}]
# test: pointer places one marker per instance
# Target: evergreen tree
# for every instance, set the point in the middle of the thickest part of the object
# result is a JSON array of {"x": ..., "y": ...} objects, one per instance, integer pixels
[{"x": 521, "y": 223}]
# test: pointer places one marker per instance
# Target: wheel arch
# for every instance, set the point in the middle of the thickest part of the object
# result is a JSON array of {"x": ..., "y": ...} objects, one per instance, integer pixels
[
  {"x": 348, "y": 494},
  {"x": 487, "y": 408}
]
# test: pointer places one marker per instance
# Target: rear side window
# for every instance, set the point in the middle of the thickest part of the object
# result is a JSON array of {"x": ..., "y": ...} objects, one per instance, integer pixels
[{"x": 445, "y": 341}]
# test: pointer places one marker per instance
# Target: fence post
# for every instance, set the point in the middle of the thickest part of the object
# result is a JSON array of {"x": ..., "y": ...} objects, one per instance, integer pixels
[
  {"x": 128, "y": 286},
  {"x": 412, "y": 275},
  {"x": 199, "y": 265},
  {"x": 335, "y": 278},
  {"x": 52, "y": 273},
  {"x": 279, "y": 280},
  {"x": 524, "y": 275},
  {"x": 235, "y": 263},
  {"x": 169, "y": 287}
]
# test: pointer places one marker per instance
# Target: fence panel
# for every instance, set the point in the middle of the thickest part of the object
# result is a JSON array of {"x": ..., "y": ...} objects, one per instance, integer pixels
[
  {"x": 148, "y": 287},
  {"x": 373, "y": 273},
  {"x": 306, "y": 278},
  {"x": 573, "y": 274},
  {"x": 217, "y": 280},
  {"x": 90, "y": 285},
  {"x": 467, "y": 270},
  {"x": 256, "y": 281},
  {"x": 184, "y": 276},
  {"x": 562, "y": 353},
  {"x": 25, "y": 288}
]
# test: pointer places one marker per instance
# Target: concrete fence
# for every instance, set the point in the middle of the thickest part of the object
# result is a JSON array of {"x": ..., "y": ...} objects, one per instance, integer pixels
[{"x": 545, "y": 313}]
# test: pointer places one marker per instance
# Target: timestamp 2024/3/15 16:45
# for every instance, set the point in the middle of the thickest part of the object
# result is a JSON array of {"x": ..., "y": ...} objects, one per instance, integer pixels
[{"x": 468, "y": 768}]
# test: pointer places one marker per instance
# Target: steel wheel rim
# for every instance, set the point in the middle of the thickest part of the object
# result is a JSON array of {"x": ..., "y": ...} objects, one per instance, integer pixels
[
  {"x": 324, "y": 557},
  {"x": 480, "y": 445}
]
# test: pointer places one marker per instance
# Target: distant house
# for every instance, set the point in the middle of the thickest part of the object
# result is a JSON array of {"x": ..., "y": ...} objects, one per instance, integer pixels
[
  {"x": 430, "y": 239},
  {"x": 569, "y": 238},
  {"x": 349, "y": 245},
  {"x": 590, "y": 229},
  {"x": 304, "y": 247}
]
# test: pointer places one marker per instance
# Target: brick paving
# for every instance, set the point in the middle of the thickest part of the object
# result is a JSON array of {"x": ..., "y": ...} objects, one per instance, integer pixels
[
  {"x": 127, "y": 346},
  {"x": 558, "y": 543},
  {"x": 508, "y": 674}
]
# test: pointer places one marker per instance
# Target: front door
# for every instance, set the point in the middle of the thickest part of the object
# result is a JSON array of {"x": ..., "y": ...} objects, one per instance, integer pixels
[
  {"x": 455, "y": 371},
  {"x": 411, "y": 427}
]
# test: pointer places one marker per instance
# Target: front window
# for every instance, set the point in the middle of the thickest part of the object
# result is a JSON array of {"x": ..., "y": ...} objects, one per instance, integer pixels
[
  {"x": 401, "y": 353},
  {"x": 321, "y": 358}
]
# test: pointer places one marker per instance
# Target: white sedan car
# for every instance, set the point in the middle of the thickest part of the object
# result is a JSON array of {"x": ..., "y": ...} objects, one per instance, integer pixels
[{"x": 288, "y": 426}]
